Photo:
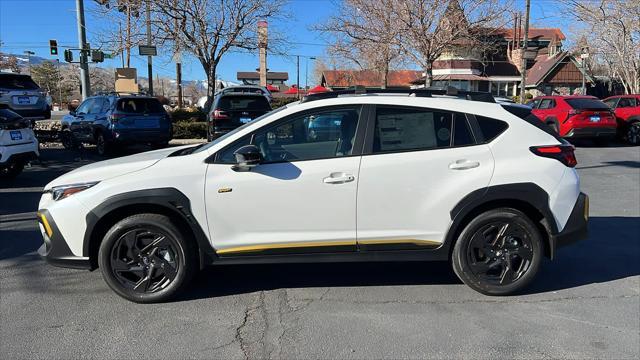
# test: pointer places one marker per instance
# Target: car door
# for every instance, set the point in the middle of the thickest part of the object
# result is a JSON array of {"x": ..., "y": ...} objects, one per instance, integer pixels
[
  {"x": 545, "y": 108},
  {"x": 301, "y": 199},
  {"x": 79, "y": 122},
  {"x": 417, "y": 165},
  {"x": 627, "y": 106}
]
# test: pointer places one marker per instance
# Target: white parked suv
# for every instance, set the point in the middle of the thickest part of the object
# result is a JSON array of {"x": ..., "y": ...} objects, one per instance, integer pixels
[
  {"x": 18, "y": 143},
  {"x": 337, "y": 177}
]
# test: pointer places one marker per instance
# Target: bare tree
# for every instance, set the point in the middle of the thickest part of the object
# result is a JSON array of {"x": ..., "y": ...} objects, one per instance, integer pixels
[
  {"x": 431, "y": 27},
  {"x": 9, "y": 62},
  {"x": 366, "y": 33},
  {"x": 613, "y": 29},
  {"x": 209, "y": 29}
]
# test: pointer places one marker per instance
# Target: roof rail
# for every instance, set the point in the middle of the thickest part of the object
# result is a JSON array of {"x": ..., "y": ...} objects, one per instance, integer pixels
[
  {"x": 120, "y": 93},
  {"x": 424, "y": 92}
]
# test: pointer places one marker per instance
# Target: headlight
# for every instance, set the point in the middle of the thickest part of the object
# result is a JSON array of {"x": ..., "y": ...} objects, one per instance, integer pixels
[{"x": 63, "y": 191}]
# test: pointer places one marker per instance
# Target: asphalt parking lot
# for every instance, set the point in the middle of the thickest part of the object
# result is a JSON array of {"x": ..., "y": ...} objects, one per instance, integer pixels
[{"x": 585, "y": 304}]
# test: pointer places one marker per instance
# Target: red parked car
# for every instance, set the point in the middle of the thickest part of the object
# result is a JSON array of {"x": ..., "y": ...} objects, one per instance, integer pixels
[
  {"x": 576, "y": 116},
  {"x": 627, "y": 111}
]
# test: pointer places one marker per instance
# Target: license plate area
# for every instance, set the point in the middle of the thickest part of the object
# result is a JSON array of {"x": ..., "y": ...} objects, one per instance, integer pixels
[
  {"x": 24, "y": 100},
  {"x": 245, "y": 120},
  {"x": 15, "y": 135},
  {"x": 594, "y": 118}
]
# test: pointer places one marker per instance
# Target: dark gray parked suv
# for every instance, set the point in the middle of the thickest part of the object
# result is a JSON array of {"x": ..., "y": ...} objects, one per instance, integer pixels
[
  {"x": 23, "y": 96},
  {"x": 117, "y": 120}
]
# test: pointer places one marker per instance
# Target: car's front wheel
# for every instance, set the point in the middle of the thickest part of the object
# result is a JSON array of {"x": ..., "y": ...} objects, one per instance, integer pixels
[
  {"x": 145, "y": 258},
  {"x": 102, "y": 146},
  {"x": 499, "y": 252}
]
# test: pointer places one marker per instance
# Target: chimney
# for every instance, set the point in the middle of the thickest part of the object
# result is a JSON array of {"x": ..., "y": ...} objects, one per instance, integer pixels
[{"x": 262, "y": 46}]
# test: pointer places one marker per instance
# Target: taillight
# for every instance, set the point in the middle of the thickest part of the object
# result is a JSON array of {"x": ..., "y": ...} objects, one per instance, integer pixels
[
  {"x": 219, "y": 114},
  {"x": 575, "y": 111},
  {"x": 563, "y": 153}
]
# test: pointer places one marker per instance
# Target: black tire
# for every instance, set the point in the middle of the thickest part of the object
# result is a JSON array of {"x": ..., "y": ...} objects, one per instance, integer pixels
[
  {"x": 145, "y": 258},
  {"x": 485, "y": 260},
  {"x": 11, "y": 170},
  {"x": 554, "y": 126},
  {"x": 103, "y": 147},
  {"x": 67, "y": 139},
  {"x": 632, "y": 134}
]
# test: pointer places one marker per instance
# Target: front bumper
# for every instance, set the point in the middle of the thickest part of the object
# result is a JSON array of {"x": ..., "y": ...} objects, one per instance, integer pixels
[
  {"x": 55, "y": 250},
  {"x": 576, "y": 228}
]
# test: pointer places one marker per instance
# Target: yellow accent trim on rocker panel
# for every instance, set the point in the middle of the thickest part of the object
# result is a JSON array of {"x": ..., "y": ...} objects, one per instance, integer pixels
[
  {"x": 399, "y": 241},
  {"x": 292, "y": 245},
  {"x": 250, "y": 248},
  {"x": 45, "y": 223}
]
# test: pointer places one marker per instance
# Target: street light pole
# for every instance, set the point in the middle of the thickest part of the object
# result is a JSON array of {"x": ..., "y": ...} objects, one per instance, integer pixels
[
  {"x": 306, "y": 72},
  {"x": 149, "y": 58},
  {"x": 298, "y": 76},
  {"x": 29, "y": 53}
]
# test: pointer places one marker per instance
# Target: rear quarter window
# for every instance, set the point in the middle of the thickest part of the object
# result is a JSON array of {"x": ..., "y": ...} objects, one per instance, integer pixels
[
  {"x": 526, "y": 115},
  {"x": 491, "y": 128},
  {"x": 17, "y": 82}
]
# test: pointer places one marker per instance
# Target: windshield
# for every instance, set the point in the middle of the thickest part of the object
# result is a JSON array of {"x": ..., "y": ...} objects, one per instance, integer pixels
[
  {"x": 234, "y": 131},
  {"x": 17, "y": 82}
]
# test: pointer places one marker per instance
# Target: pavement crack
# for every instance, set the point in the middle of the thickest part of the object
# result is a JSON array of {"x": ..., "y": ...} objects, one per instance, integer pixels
[{"x": 244, "y": 334}]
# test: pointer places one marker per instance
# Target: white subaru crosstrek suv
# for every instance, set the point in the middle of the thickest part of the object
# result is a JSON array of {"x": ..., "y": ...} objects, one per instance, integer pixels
[{"x": 338, "y": 177}]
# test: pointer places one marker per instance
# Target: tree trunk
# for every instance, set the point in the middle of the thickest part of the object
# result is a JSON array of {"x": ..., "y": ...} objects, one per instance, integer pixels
[
  {"x": 428, "y": 78},
  {"x": 385, "y": 76}
]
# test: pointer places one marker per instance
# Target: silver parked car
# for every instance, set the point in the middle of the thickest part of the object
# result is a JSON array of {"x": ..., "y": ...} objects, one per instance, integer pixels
[{"x": 23, "y": 96}]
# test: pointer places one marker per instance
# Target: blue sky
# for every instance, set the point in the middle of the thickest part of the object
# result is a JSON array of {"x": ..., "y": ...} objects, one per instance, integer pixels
[{"x": 29, "y": 24}]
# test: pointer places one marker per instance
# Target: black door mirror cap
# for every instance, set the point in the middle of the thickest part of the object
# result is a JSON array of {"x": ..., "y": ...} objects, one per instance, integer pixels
[{"x": 247, "y": 157}]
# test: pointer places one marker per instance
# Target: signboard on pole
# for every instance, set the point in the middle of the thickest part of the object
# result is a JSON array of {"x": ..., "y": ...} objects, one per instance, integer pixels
[{"x": 147, "y": 50}]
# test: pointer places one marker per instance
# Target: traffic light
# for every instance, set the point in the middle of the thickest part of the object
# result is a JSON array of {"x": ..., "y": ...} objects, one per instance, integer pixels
[
  {"x": 68, "y": 56},
  {"x": 53, "y": 47},
  {"x": 97, "y": 56}
]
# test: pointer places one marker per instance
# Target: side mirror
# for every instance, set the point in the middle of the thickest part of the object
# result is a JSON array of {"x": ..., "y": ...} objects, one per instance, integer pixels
[
  {"x": 247, "y": 157},
  {"x": 72, "y": 112}
]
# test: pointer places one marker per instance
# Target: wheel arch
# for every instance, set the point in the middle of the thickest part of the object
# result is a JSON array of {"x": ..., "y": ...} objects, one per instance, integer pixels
[
  {"x": 164, "y": 201},
  {"x": 529, "y": 198}
]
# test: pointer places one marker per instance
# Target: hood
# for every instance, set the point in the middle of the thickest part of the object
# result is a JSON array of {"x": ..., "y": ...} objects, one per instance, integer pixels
[{"x": 108, "y": 169}]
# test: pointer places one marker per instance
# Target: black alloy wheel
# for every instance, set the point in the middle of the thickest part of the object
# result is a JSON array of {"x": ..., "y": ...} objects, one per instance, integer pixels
[
  {"x": 144, "y": 260},
  {"x": 633, "y": 134},
  {"x": 147, "y": 258},
  {"x": 499, "y": 252}
]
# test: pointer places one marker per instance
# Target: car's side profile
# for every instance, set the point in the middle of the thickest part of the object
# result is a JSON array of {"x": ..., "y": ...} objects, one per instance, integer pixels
[
  {"x": 627, "y": 112},
  {"x": 576, "y": 116},
  {"x": 398, "y": 178},
  {"x": 113, "y": 120}
]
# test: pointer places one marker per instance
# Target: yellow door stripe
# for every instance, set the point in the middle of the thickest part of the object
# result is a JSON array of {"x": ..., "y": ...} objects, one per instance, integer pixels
[{"x": 262, "y": 247}]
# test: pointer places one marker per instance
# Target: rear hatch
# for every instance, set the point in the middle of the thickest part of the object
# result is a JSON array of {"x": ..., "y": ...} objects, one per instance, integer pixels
[
  {"x": 141, "y": 116},
  {"x": 14, "y": 130},
  {"x": 232, "y": 111},
  {"x": 20, "y": 92},
  {"x": 590, "y": 112}
]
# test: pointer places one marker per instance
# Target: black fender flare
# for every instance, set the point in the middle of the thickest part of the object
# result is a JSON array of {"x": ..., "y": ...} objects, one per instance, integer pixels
[
  {"x": 528, "y": 193},
  {"x": 170, "y": 199}
]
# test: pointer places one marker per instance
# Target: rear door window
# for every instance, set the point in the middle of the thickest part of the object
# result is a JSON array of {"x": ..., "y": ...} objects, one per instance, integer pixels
[
  {"x": 139, "y": 106},
  {"x": 611, "y": 102},
  {"x": 627, "y": 103},
  {"x": 594, "y": 104},
  {"x": 547, "y": 104},
  {"x": 250, "y": 103}
]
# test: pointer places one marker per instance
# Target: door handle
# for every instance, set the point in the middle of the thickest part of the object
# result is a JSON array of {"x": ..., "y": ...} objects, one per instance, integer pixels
[
  {"x": 338, "y": 178},
  {"x": 463, "y": 164}
]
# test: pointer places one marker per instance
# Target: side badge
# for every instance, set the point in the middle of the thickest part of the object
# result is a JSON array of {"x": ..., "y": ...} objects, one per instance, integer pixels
[{"x": 224, "y": 190}]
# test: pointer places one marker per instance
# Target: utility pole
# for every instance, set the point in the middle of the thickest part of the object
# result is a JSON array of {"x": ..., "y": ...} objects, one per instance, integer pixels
[
  {"x": 524, "y": 53},
  {"x": 149, "y": 58},
  {"x": 298, "y": 76},
  {"x": 59, "y": 85},
  {"x": 262, "y": 45},
  {"x": 82, "y": 44},
  {"x": 306, "y": 73},
  {"x": 29, "y": 53},
  {"x": 178, "y": 59}
]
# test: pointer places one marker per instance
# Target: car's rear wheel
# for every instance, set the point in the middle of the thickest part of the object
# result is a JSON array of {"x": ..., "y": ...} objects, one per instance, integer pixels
[
  {"x": 633, "y": 134},
  {"x": 499, "y": 252},
  {"x": 145, "y": 258},
  {"x": 11, "y": 169}
]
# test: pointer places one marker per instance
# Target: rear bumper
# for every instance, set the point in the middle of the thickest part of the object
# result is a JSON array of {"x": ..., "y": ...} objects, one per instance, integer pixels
[
  {"x": 21, "y": 152},
  {"x": 591, "y": 132},
  {"x": 576, "y": 228},
  {"x": 55, "y": 250}
]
